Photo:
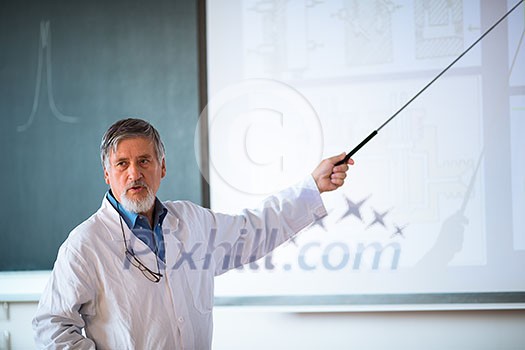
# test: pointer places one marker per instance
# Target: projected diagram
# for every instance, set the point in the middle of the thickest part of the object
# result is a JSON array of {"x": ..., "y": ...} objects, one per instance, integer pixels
[
  {"x": 439, "y": 28},
  {"x": 449, "y": 179},
  {"x": 368, "y": 31},
  {"x": 288, "y": 33},
  {"x": 429, "y": 162},
  {"x": 450, "y": 240},
  {"x": 45, "y": 45},
  {"x": 273, "y": 48}
]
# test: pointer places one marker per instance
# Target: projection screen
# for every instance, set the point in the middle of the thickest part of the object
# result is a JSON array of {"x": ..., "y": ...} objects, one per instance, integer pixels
[{"x": 433, "y": 211}]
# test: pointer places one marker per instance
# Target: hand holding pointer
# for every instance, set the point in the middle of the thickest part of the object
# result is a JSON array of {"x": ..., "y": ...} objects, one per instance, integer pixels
[{"x": 330, "y": 174}]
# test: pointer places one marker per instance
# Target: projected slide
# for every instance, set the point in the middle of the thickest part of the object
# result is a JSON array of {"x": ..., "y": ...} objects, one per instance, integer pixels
[{"x": 423, "y": 209}]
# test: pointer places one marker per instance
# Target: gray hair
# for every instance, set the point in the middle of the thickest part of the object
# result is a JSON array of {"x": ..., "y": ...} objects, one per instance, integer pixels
[{"x": 125, "y": 129}]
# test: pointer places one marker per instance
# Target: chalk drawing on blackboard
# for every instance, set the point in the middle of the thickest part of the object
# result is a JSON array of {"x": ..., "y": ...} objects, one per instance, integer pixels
[{"x": 45, "y": 45}]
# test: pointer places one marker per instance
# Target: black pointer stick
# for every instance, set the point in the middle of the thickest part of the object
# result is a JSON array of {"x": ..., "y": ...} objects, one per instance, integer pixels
[{"x": 374, "y": 133}]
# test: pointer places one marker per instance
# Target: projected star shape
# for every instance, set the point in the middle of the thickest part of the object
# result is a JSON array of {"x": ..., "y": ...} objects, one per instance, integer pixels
[
  {"x": 379, "y": 218},
  {"x": 319, "y": 221},
  {"x": 353, "y": 208},
  {"x": 399, "y": 231}
]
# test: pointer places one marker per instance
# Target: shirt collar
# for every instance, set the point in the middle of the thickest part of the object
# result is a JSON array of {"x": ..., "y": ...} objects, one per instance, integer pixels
[{"x": 131, "y": 218}]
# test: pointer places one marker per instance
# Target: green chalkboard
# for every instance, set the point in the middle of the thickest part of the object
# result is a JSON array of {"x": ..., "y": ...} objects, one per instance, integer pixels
[{"x": 68, "y": 70}]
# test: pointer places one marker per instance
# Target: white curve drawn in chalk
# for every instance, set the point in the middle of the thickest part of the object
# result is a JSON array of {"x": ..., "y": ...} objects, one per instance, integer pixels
[{"x": 45, "y": 44}]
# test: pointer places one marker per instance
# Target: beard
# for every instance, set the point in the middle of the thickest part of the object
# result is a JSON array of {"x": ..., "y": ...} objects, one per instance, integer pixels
[{"x": 138, "y": 205}]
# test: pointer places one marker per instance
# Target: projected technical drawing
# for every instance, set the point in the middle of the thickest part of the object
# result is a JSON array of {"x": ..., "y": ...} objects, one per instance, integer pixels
[
  {"x": 271, "y": 49},
  {"x": 439, "y": 28},
  {"x": 45, "y": 45},
  {"x": 368, "y": 31},
  {"x": 283, "y": 44},
  {"x": 428, "y": 174},
  {"x": 447, "y": 178}
]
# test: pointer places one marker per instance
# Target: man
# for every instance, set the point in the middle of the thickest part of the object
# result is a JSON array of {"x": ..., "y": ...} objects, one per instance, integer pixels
[{"x": 138, "y": 274}]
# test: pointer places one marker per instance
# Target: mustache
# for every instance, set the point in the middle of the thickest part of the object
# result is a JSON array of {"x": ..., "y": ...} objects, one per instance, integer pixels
[{"x": 136, "y": 184}]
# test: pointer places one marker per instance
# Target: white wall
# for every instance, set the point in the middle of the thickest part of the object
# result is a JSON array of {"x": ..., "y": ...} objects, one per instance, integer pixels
[
  {"x": 15, "y": 326},
  {"x": 450, "y": 330},
  {"x": 265, "y": 328}
]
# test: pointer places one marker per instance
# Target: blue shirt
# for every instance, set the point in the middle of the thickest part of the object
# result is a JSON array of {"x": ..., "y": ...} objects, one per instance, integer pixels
[{"x": 139, "y": 225}]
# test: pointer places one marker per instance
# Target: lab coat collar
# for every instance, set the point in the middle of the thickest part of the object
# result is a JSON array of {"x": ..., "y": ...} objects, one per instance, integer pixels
[
  {"x": 171, "y": 222},
  {"x": 110, "y": 219}
]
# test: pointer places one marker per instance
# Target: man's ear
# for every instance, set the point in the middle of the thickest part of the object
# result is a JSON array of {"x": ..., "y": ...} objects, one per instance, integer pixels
[
  {"x": 106, "y": 176},
  {"x": 163, "y": 168}
]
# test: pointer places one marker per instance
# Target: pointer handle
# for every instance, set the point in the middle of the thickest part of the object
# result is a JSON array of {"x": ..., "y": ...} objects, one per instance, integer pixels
[{"x": 357, "y": 148}]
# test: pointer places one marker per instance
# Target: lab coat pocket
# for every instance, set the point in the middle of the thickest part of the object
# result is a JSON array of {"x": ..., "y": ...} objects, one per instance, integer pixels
[{"x": 200, "y": 286}]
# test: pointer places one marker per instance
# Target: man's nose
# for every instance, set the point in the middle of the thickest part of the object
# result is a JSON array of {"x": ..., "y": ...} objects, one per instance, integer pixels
[{"x": 134, "y": 172}]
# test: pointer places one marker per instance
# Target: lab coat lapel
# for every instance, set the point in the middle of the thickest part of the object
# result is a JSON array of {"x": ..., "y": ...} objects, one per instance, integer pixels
[
  {"x": 110, "y": 218},
  {"x": 172, "y": 244}
]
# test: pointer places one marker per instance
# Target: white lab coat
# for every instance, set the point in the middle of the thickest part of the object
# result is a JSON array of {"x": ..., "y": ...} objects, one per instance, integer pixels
[{"x": 93, "y": 287}]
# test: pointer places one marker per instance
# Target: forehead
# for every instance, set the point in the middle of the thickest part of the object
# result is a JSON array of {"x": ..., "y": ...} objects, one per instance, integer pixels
[{"x": 133, "y": 146}]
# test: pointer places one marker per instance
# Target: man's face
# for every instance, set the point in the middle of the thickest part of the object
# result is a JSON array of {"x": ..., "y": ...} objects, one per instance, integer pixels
[{"x": 133, "y": 169}]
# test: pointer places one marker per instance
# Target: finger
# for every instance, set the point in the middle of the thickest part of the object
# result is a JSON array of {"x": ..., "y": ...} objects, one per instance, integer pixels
[
  {"x": 338, "y": 182},
  {"x": 338, "y": 176},
  {"x": 350, "y": 161},
  {"x": 343, "y": 168},
  {"x": 337, "y": 158}
]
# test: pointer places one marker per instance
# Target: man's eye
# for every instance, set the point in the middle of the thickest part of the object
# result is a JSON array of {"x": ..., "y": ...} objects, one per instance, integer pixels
[
  {"x": 121, "y": 164},
  {"x": 144, "y": 161}
]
